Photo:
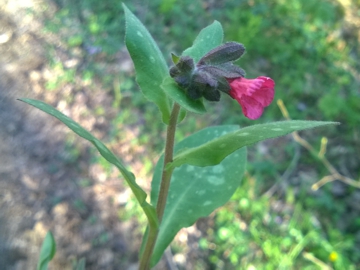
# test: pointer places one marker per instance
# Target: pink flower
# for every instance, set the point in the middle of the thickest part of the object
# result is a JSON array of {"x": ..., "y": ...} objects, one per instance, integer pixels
[{"x": 252, "y": 94}]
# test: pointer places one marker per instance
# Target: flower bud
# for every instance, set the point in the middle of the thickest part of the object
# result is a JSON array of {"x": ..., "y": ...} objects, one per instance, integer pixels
[
  {"x": 228, "y": 52},
  {"x": 211, "y": 73},
  {"x": 182, "y": 71},
  {"x": 201, "y": 84}
]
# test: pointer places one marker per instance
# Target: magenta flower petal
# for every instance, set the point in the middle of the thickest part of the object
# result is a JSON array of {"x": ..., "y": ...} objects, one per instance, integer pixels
[
  {"x": 265, "y": 94},
  {"x": 252, "y": 94},
  {"x": 264, "y": 97},
  {"x": 251, "y": 108}
]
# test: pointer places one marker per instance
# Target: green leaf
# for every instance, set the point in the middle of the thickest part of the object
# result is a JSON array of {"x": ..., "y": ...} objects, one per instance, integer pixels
[
  {"x": 182, "y": 115},
  {"x": 47, "y": 252},
  {"x": 208, "y": 38},
  {"x": 213, "y": 152},
  {"x": 175, "y": 58},
  {"x": 104, "y": 151},
  {"x": 150, "y": 65},
  {"x": 175, "y": 92},
  {"x": 80, "y": 265},
  {"x": 194, "y": 191}
]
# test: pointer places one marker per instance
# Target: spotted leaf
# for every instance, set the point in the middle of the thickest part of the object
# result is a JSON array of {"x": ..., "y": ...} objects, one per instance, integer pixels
[
  {"x": 150, "y": 65},
  {"x": 213, "y": 152},
  {"x": 194, "y": 191},
  {"x": 208, "y": 38}
]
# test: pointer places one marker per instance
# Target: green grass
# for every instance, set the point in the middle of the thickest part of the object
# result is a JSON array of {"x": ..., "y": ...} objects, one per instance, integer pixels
[{"x": 270, "y": 233}]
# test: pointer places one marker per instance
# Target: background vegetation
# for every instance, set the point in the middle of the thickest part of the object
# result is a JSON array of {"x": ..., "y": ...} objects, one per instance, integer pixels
[{"x": 310, "y": 49}]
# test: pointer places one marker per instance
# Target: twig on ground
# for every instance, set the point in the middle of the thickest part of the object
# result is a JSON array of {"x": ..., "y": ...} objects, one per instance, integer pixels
[
  {"x": 335, "y": 175},
  {"x": 316, "y": 261}
]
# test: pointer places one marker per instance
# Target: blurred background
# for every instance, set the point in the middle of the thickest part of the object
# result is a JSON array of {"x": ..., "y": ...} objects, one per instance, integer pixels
[{"x": 71, "y": 55}]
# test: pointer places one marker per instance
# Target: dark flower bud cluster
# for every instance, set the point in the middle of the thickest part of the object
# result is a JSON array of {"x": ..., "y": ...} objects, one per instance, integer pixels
[{"x": 211, "y": 74}]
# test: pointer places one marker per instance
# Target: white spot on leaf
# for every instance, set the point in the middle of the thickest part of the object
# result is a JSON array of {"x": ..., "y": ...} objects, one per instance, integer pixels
[
  {"x": 207, "y": 203},
  {"x": 218, "y": 169},
  {"x": 216, "y": 181},
  {"x": 222, "y": 145}
]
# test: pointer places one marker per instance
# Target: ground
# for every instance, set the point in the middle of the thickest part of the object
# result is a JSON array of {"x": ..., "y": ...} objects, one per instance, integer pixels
[{"x": 39, "y": 186}]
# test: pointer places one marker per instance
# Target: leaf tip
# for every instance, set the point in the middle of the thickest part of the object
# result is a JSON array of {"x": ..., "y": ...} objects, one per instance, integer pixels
[
  {"x": 175, "y": 58},
  {"x": 217, "y": 22},
  {"x": 124, "y": 7}
]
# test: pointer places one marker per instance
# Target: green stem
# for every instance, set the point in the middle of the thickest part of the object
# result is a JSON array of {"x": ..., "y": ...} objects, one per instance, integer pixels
[
  {"x": 164, "y": 188},
  {"x": 168, "y": 157}
]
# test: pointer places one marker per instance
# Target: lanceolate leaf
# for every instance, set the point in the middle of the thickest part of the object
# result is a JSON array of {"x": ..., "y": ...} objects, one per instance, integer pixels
[
  {"x": 213, "y": 152},
  {"x": 208, "y": 38},
  {"x": 150, "y": 65},
  {"x": 104, "y": 151},
  {"x": 194, "y": 191},
  {"x": 47, "y": 252},
  {"x": 178, "y": 95}
]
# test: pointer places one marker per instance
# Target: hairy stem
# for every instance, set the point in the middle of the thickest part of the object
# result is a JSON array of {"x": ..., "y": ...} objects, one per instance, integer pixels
[
  {"x": 164, "y": 188},
  {"x": 168, "y": 157}
]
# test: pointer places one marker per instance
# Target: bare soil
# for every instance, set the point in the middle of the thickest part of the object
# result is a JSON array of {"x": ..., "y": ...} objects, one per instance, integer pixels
[{"x": 42, "y": 184}]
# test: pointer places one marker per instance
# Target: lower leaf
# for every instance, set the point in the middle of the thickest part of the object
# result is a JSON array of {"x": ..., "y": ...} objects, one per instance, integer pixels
[
  {"x": 196, "y": 191},
  {"x": 139, "y": 193}
]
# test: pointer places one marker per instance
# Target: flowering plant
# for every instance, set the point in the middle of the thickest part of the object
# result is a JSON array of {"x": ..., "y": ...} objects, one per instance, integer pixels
[{"x": 199, "y": 174}]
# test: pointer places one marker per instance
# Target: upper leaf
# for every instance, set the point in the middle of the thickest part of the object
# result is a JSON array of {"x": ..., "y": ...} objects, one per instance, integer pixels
[
  {"x": 213, "y": 152},
  {"x": 150, "y": 65},
  {"x": 195, "y": 192},
  {"x": 208, "y": 38},
  {"x": 104, "y": 151}
]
